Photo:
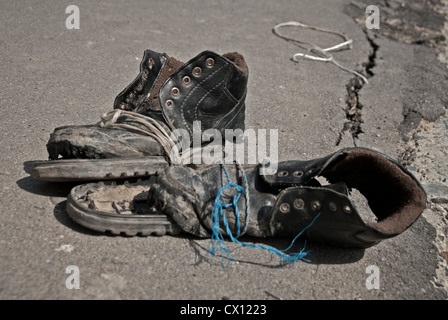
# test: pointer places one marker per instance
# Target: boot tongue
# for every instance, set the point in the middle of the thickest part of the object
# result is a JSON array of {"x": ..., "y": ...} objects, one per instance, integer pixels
[
  {"x": 151, "y": 106},
  {"x": 171, "y": 66}
]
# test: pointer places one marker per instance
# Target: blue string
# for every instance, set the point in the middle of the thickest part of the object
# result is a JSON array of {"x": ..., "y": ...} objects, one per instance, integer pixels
[{"x": 217, "y": 238}]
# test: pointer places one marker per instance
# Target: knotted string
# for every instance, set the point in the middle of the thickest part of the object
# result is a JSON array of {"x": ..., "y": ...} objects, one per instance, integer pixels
[{"x": 217, "y": 238}]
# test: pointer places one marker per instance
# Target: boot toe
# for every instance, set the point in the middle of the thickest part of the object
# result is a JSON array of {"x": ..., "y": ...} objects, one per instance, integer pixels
[{"x": 93, "y": 142}]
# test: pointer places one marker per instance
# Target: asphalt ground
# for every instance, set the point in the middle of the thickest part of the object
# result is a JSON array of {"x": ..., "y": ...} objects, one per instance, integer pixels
[{"x": 54, "y": 76}]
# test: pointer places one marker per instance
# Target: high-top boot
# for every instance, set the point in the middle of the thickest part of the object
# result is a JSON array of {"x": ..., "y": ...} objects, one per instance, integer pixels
[
  {"x": 292, "y": 201},
  {"x": 287, "y": 202},
  {"x": 135, "y": 138}
]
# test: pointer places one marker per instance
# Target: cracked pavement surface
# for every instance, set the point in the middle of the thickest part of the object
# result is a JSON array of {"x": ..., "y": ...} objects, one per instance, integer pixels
[{"x": 53, "y": 76}]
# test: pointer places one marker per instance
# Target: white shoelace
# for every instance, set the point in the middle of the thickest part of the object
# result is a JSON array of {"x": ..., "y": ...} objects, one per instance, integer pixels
[
  {"x": 322, "y": 55},
  {"x": 123, "y": 119}
]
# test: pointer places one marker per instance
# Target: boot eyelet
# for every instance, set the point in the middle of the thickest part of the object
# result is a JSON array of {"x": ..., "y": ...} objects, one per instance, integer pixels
[
  {"x": 139, "y": 87},
  {"x": 347, "y": 209},
  {"x": 175, "y": 92},
  {"x": 169, "y": 104},
  {"x": 145, "y": 74},
  {"x": 197, "y": 71},
  {"x": 210, "y": 62},
  {"x": 186, "y": 80},
  {"x": 283, "y": 173},
  {"x": 298, "y": 173},
  {"x": 123, "y": 106},
  {"x": 150, "y": 63},
  {"x": 316, "y": 205},
  {"x": 285, "y": 207},
  {"x": 299, "y": 203}
]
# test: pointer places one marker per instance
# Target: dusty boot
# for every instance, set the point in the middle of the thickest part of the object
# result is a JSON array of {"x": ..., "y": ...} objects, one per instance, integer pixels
[
  {"x": 135, "y": 138},
  {"x": 202, "y": 200}
]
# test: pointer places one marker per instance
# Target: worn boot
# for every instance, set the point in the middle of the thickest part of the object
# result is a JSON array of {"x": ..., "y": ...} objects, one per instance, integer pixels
[
  {"x": 215, "y": 201},
  {"x": 135, "y": 139}
]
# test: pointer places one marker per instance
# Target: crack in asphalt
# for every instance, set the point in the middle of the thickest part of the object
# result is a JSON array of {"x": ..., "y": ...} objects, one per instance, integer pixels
[
  {"x": 354, "y": 107},
  {"x": 421, "y": 24}
]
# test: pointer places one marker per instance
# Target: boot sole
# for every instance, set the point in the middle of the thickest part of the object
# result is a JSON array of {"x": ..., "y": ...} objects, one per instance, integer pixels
[
  {"x": 105, "y": 221},
  {"x": 97, "y": 169}
]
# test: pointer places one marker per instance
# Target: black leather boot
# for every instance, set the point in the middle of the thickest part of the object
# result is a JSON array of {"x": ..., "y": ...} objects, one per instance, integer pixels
[
  {"x": 287, "y": 202},
  {"x": 284, "y": 204},
  {"x": 133, "y": 140}
]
